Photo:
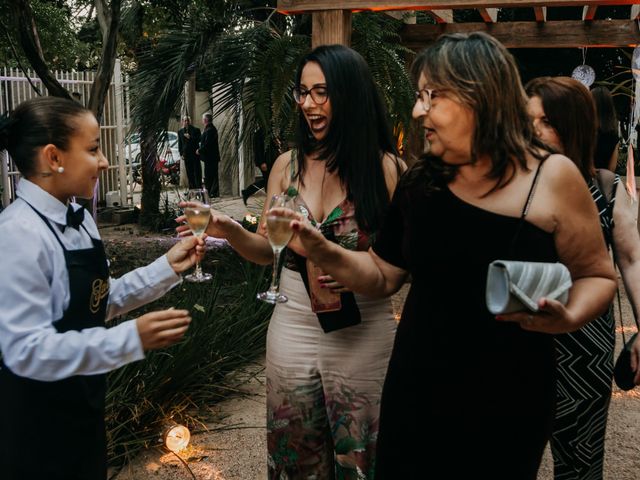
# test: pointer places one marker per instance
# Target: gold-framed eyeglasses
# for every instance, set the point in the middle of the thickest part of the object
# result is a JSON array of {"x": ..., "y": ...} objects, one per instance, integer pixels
[
  {"x": 426, "y": 96},
  {"x": 319, "y": 94}
]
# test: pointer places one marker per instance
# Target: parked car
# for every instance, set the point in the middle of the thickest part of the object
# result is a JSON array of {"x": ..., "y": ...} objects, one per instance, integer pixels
[
  {"x": 168, "y": 158},
  {"x": 169, "y": 149}
]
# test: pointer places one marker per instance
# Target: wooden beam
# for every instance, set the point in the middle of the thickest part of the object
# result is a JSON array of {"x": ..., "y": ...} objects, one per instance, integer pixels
[
  {"x": 554, "y": 34},
  {"x": 589, "y": 12},
  {"x": 489, "y": 15},
  {"x": 541, "y": 14},
  {"x": 299, "y": 6},
  {"x": 406, "y": 17},
  {"x": 331, "y": 26},
  {"x": 442, "y": 16}
]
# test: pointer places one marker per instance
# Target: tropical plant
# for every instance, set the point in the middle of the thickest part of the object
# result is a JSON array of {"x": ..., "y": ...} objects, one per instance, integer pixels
[
  {"x": 253, "y": 70},
  {"x": 376, "y": 37},
  {"x": 165, "y": 60},
  {"x": 248, "y": 54}
]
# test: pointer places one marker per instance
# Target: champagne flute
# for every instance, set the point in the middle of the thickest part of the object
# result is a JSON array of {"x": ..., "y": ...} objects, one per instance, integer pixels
[
  {"x": 198, "y": 213},
  {"x": 279, "y": 233}
]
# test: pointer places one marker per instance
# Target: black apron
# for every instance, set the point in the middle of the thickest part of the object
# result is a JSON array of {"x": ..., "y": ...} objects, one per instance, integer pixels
[{"x": 55, "y": 430}]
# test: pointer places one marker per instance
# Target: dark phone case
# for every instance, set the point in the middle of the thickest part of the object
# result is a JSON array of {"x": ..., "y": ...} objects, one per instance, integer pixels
[{"x": 347, "y": 316}]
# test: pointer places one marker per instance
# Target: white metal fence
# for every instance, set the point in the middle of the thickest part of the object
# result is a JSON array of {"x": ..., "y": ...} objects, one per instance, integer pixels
[{"x": 15, "y": 88}]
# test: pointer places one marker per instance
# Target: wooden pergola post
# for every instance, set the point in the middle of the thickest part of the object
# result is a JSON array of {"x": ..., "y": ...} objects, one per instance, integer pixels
[{"x": 331, "y": 26}]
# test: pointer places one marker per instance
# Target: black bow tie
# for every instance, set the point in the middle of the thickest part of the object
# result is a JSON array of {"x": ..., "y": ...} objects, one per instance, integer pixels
[{"x": 74, "y": 218}]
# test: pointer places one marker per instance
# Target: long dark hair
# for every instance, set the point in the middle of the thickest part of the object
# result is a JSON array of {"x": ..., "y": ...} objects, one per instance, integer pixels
[
  {"x": 605, "y": 110},
  {"x": 358, "y": 135},
  {"x": 482, "y": 74},
  {"x": 36, "y": 123},
  {"x": 569, "y": 107}
]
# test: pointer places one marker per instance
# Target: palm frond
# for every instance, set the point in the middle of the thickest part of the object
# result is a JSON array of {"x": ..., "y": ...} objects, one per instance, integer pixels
[
  {"x": 253, "y": 71},
  {"x": 376, "y": 37}
]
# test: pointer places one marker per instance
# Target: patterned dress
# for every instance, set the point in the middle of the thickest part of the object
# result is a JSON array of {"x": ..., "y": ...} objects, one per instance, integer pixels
[
  {"x": 323, "y": 389},
  {"x": 585, "y": 374}
]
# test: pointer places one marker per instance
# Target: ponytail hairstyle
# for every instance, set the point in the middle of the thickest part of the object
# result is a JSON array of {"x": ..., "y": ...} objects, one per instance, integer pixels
[{"x": 35, "y": 123}]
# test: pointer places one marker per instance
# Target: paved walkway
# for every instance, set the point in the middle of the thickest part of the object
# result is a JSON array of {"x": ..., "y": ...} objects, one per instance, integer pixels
[{"x": 231, "y": 206}]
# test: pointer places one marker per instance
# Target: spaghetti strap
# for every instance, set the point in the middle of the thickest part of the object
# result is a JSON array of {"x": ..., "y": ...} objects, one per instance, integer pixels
[
  {"x": 525, "y": 209},
  {"x": 532, "y": 190}
]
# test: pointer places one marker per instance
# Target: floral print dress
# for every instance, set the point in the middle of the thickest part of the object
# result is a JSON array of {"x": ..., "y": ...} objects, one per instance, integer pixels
[{"x": 323, "y": 389}]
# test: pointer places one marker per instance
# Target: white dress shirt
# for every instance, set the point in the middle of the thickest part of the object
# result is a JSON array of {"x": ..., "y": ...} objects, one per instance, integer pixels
[{"x": 34, "y": 292}]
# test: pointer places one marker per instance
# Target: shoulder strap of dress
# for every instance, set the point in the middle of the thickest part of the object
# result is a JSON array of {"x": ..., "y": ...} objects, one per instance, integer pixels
[
  {"x": 532, "y": 190},
  {"x": 525, "y": 209}
]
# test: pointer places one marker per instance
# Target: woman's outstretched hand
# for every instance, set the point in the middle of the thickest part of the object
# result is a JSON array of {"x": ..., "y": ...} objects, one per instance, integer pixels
[{"x": 184, "y": 254}]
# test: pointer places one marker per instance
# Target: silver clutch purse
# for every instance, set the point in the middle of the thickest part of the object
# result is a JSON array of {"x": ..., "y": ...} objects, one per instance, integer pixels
[{"x": 514, "y": 286}]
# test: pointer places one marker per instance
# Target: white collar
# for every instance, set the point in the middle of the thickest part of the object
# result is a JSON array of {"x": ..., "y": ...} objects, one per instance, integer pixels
[{"x": 45, "y": 203}]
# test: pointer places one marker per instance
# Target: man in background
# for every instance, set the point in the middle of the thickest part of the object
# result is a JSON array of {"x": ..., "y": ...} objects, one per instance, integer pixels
[
  {"x": 210, "y": 155},
  {"x": 188, "y": 142}
]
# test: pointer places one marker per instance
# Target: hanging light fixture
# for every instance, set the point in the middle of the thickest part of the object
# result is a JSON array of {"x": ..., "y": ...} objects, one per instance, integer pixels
[
  {"x": 176, "y": 437},
  {"x": 585, "y": 74}
]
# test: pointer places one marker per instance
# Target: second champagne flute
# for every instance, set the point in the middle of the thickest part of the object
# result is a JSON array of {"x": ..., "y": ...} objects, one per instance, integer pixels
[
  {"x": 279, "y": 233},
  {"x": 198, "y": 213}
]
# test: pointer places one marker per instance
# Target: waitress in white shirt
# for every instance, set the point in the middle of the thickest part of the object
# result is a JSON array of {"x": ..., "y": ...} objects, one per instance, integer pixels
[{"x": 55, "y": 295}]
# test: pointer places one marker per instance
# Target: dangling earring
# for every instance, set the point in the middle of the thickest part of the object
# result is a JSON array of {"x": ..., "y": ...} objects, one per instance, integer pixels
[{"x": 60, "y": 169}]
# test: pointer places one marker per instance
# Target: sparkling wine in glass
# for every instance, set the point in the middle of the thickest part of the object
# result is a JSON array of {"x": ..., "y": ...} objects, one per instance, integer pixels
[
  {"x": 198, "y": 213},
  {"x": 279, "y": 235}
]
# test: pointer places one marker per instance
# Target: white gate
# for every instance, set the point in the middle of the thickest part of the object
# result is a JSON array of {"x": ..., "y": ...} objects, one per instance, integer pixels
[{"x": 15, "y": 88}]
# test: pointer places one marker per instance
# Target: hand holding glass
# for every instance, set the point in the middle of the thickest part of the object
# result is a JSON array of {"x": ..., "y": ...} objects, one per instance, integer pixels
[
  {"x": 198, "y": 213},
  {"x": 279, "y": 233}
]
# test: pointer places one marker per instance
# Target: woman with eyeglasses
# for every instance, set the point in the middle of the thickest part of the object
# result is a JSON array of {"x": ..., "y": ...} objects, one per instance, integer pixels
[
  {"x": 326, "y": 362},
  {"x": 486, "y": 190}
]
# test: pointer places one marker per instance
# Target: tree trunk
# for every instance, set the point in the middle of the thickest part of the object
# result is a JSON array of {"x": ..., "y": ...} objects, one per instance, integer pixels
[
  {"x": 100, "y": 86},
  {"x": 149, "y": 203},
  {"x": 30, "y": 43}
]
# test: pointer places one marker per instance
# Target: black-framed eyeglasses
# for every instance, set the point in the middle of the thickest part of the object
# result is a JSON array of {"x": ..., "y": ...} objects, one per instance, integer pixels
[
  {"x": 319, "y": 94},
  {"x": 426, "y": 96}
]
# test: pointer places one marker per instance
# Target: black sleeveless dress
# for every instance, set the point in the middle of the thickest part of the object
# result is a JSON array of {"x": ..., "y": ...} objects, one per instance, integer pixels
[{"x": 477, "y": 394}]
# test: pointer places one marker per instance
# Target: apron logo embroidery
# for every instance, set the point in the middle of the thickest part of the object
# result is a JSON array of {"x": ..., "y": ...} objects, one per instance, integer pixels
[{"x": 99, "y": 290}]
